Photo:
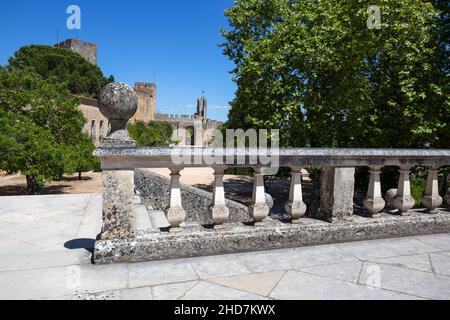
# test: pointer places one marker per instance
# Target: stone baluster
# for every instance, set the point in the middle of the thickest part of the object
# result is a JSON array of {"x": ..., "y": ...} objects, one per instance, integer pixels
[
  {"x": 259, "y": 210},
  {"x": 374, "y": 202},
  {"x": 219, "y": 211},
  {"x": 118, "y": 103},
  {"x": 431, "y": 199},
  {"x": 447, "y": 196},
  {"x": 404, "y": 201},
  {"x": 176, "y": 214},
  {"x": 295, "y": 207}
]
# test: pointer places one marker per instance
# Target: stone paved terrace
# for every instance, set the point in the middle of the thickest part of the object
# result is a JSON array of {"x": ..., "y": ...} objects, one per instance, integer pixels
[{"x": 38, "y": 260}]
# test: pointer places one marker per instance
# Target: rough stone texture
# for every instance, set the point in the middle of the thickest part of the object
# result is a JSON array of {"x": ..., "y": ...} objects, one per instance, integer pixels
[
  {"x": 269, "y": 201},
  {"x": 259, "y": 212},
  {"x": 132, "y": 158},
  {"x": 296, "y": 210},
  {"x": 273, "y": 235},
  {"x": 390, "y": 196},
  {"x": 448, "y": 197},
  {"x": 431, "y": 202},
  {"x": 146, "y": 93},
  {"x": 118, "y": 102},
  {"x": 336, "y": 193},
  {"x": 219, "y": 214},
  {"x": 87, "y": 50},
  {"x": 374, "y": 206},
  {"x": 155, "y": 192},
  {"x": 118, "y": 139},
  {"x": 118, "y": 205}
]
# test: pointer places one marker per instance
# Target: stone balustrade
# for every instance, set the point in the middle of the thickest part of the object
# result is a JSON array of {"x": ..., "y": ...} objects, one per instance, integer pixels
[
  {"x": 120, "y": 241},
  {"x": 128, "y": 159}
]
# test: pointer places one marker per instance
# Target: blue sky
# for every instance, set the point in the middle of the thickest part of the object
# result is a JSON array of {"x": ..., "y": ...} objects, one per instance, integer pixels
[{"x": 174, "y": 43}]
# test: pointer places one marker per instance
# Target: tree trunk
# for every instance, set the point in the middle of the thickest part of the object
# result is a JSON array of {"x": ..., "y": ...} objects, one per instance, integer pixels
[
  {"x": 32, "y": 186},
  {"x": 79, "y": 175}
]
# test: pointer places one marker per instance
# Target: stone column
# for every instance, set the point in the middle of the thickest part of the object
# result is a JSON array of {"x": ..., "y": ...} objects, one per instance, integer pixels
[
  {"x": 259, "y": 210},
  {"x": 176, "y": 214},
  {"x": 219, "y": 211},
  {"x": 404, "y": 201},
  {"x": 295, "y": 207},
  {"x": 118, "y": 103},
  {"x": 431, "y": 199},
  {"x": 118, "y": 205},
  {"x": 374, "y": 202},
  {"x": 336, "y": 193}
]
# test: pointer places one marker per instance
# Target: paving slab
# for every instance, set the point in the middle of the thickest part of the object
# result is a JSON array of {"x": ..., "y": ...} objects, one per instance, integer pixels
[
  {"x": 295, "y": 258},
  {"x": 219, "y": 266},
  {"x": 438, "y": 241},
  {"x": 304, "y": 286},
  {"x": 211, "y": 291},
  {"x": 419, "y": 262},
  {"x": 172, "y": 291},
  {"x": 258, "y": 283},
  {"x": 57, "y": 282},
  {"x": 160, "y": 272},
  {"x": 441, "y": 262},
  {"x": 43, "y": 259},
  {"x": 407, "y": 245},
  {"x": 422, "y": 284},
  {"x": 349, "y": 271},
  {"x": 44, "y": 254},
  {"x": 367, "y": 250}
]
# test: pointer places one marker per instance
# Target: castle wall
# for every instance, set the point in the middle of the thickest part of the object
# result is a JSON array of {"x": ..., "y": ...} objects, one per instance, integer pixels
[
  {"x": 146, "y": 93},
  {"x": 202, "y": 129},
  {"x": 97, "y": 126}
]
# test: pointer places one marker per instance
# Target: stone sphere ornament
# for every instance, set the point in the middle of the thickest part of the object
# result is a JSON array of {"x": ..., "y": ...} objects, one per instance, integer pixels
[
  {"x": 118, "y": 103},
  {"x": 390, "y": 196}
]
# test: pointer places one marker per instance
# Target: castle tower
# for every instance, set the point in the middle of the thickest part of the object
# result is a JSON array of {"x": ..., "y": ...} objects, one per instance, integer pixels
[
  {"x": 146, "y": 93},
  {"x": 202, "y": 109},
  {"x": 85, "y": 49}
]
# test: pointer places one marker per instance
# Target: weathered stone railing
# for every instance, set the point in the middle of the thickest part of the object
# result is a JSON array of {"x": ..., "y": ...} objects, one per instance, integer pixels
[
  {"x": 120, "y": 240},
  {"x": 123, "y": 161}
]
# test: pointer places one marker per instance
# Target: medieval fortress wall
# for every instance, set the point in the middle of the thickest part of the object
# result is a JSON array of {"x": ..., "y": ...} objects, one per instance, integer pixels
[{"x": 97, "y": 126}]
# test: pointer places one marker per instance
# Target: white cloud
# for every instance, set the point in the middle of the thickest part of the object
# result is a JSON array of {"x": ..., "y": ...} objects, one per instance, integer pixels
[{"x": 219, "y": 107}]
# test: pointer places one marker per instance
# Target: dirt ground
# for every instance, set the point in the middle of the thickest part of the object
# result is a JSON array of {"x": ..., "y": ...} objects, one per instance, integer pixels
[
  {"x": 236, "y": 187},
  {"x": 13, "y": 185}
]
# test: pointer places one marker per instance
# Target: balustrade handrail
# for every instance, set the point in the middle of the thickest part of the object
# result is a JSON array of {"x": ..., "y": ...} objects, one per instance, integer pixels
[{"x": 133, "y": 158}]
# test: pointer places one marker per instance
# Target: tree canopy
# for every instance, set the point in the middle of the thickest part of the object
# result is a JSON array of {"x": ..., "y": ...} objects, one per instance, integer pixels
[
  {"x": 39, "y": 127},
  {"x": 62, "y": 65},
  {"x": 151, "y": 134},
  {"x": 314, "y": 70}
]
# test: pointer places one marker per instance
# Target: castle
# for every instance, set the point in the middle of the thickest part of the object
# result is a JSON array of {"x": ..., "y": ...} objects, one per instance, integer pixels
[{"x": 192, "y": 130}]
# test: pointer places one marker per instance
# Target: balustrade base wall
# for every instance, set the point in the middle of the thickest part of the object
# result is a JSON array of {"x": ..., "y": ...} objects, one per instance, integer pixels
[{"x": 236, "y": 237}]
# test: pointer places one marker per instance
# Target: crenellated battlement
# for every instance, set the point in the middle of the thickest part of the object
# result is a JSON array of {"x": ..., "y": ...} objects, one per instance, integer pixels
[{"x": 187, "y": 119}]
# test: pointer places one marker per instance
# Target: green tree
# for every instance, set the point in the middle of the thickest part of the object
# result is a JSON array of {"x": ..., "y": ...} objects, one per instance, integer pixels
[
  {"x": 79, "y": 157},
  {"x": 151, "y": 134},
  {"x": 62, "y": 65},
  {"x": 314, "y": 70},
  {"x": 40, "y": 126},
  {"x": 28, "y": 149}
]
